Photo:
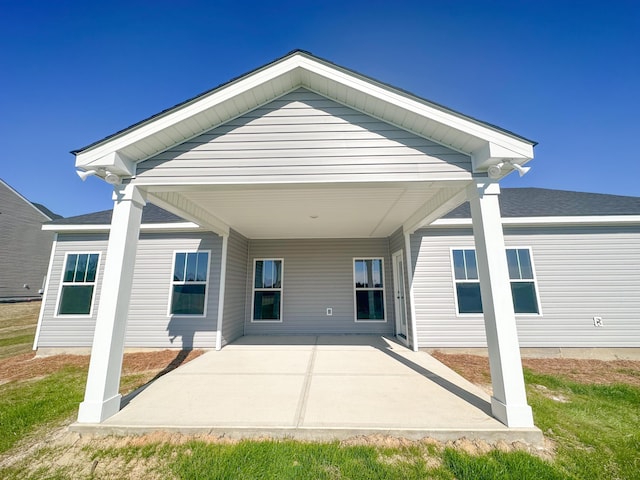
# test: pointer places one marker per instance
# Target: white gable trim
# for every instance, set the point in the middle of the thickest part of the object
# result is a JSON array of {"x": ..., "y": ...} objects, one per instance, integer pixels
[{"x": 483, "y": 142}]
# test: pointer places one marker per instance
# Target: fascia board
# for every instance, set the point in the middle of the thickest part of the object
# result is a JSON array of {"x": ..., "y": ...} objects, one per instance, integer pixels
[
  {"x": 350, "y": 80},
  {"x": 181, "y": 226},
  {"x": 535, "y": 221}
]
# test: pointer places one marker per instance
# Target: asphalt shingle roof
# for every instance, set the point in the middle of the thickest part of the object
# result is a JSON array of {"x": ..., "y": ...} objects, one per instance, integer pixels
[{"x": 543, "y": 202}]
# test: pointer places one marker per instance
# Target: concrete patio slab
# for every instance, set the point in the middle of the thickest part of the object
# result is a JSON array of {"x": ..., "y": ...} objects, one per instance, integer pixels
[{"x": 313, "y": 387}]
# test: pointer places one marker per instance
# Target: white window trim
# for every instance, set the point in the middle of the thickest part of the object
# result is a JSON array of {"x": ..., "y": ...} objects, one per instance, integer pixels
[
  {"x": 63, "y": 283},
  {"x": 172, "y": 283},
  {"x": 383, "y": 289},
  {"x": 481, "y": 315},
  {"x": 254, "y": 289}
]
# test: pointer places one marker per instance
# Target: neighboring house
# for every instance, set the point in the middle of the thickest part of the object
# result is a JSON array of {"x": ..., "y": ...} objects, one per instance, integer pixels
[
  {"x": 24, "y": 248},
  {"x": 311, "y": 200},
  {"x": 574, "y": 263}
]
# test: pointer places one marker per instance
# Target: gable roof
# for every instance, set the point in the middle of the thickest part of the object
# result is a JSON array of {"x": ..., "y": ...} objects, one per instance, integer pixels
[
  {"x": 514, "y": 203},
  {"x": 485, "y": 143},
  {"x": 41, "y": 209}
]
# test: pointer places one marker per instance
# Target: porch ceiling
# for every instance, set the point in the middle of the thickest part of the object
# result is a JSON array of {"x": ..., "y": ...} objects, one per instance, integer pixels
[{"x": 344, "y": 210}]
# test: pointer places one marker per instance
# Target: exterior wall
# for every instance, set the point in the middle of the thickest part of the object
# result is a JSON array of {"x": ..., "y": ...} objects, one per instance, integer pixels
[
  {"x": 24, "y": 247},
  {"x": 303, "y": 136},
  {"x": 581, "y": 272},
  {"x": 235, "y": 289},
  {"x": 319, "y": 274},
  {"x": 149, "y": 324}
]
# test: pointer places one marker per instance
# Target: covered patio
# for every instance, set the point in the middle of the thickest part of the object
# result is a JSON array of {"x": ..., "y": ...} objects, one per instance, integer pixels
[
  {"x": 313, "y": 388},
  {"x": 302, "y": 150}
]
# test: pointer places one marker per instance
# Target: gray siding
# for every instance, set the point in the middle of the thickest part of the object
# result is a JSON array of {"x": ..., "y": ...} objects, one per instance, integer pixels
[
  {"x": 24, "y": 247},
  {"x": 235, "y": 288},
  {"x": 149, "y": 324},
  {"x": 300, "y": 136},
  {"x": 70, "y": 331},
  {"x": 319, "y": 274},
  {"x": 582, "y": 272}
]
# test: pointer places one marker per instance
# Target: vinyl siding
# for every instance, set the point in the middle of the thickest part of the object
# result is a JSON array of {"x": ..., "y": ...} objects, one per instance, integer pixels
[
  {"x": 235, "y": 289},
  {"x": 319, "y": 274},
  {"x": 68, "y": 331},
  {"x": 581, "y": 272},
  {"x": 149, "y": 324},
  {"x": 303, "y": 136},
  {"x": 24, "y": 247}
]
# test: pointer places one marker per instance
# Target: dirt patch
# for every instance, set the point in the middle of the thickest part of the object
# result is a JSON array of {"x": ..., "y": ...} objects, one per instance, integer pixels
[
  {"x": 475, "y": 368},
  {"x": 27, "y": 366}
]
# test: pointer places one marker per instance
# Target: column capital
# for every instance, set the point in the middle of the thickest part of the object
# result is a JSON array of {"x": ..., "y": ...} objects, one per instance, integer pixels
[
  {"x": 129, "y": 193},
  {"x": 481, "y": 187}
]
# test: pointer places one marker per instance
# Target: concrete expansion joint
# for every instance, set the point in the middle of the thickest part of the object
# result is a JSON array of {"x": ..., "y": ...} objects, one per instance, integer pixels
[{"x": 304, "y": 395}]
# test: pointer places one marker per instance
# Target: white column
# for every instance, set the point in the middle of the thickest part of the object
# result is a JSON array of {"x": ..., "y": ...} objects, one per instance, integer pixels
[
  {"x": 102, "y": 397},
  {"x": 509, "y": 400}
]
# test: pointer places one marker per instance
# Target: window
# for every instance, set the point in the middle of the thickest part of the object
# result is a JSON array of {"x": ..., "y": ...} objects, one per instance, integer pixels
[
  {"x": 189, "y": 284},
  {"x": 521, "y": 274},
  {"x": 78, "y": 283},
  {"x": 267, "y": 290},
  {"x": 467, "y": 283},
  {"x": 369, "y": 289}
]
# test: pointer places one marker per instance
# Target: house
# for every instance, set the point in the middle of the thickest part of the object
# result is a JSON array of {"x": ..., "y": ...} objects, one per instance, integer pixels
[
  {"x": 24, "y": 248},
  {"x": 304, "y": 197}
]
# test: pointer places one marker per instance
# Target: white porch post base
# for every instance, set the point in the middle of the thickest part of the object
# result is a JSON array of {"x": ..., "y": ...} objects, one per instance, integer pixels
[
  {"x": 96, "y": 412},
  {"x": 509, "y": 401},
  {"x": 102, "y": 398},
  {"x": 514, "y": 416}
]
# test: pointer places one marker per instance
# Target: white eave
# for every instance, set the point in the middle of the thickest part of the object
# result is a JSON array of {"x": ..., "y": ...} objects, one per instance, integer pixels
[
  {"x": 174, "y": 227},
  {"x": 537, "y": 221},
  {"x": 486, "y": 144}
]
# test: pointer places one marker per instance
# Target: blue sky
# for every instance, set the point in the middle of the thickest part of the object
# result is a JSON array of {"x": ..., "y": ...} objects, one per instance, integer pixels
[{"x": 563, "y": 73}]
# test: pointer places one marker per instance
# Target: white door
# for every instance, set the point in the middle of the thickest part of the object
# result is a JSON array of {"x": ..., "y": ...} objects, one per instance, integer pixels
[{"x": 399, "y": 297}]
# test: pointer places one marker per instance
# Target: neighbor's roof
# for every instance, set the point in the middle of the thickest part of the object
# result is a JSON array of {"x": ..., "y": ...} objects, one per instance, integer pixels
[
  {"x": 514, "y": 203},
  {"x": 37, "y": 206}
]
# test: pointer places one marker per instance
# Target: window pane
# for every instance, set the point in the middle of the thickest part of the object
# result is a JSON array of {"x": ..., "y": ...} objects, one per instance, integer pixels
[
  {"x": 512, "y": 262},
  {"x": 192, "y": 263},
  {"x": 266, "y": 306},
  {"x": 361, "y": 273},
  {"x": 70, "y": 268},
  {"x": 469, "y": 300},
  {"x": 92, "y": 267},
  {"x": 178, "y": 269},
  {"x": 370, "y": 304},
  {"x": 268, "y": 274},
  {"x": 524, "y": 297},
  {"x": 203, "y": 263},
  {"x": 258, "y": 283},
  {"x": 76, "y": 300},
  {"x": 470, "y": 261},
  {"x": 188, "y": 299},
  {"x": 526, "y": 270},
  {"x": 81, "y": 268},
  {"x": 458, "y": 265},
  {"x": 277, "y": 273},
  {"x": 376, "y": 268}
]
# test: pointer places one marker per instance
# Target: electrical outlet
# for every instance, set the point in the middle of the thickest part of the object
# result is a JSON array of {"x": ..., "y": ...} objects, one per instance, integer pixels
[
  {"x": 597, "y": 322},
  {"x": 329, "y": 312}
]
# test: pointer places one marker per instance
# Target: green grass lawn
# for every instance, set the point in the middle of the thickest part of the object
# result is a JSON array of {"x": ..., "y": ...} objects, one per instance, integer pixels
[
  {"x": 595, "y": 428},
  {"x": 17, "y": 327}
]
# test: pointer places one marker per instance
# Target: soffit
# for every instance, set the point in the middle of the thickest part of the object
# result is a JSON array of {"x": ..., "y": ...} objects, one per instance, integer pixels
[{"x": 312, "y": 210}]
